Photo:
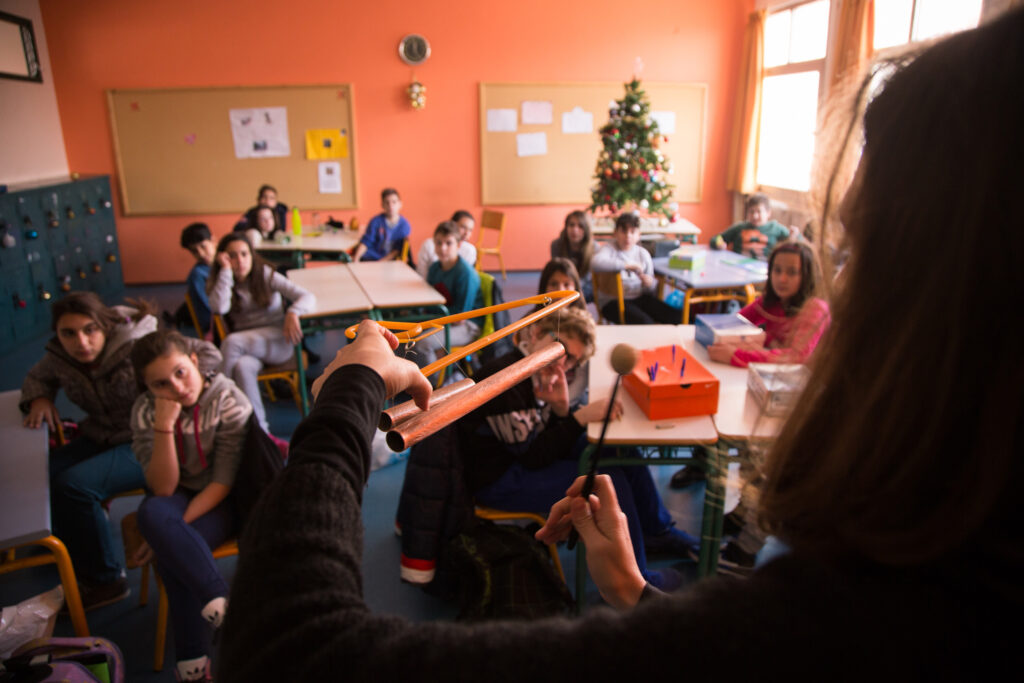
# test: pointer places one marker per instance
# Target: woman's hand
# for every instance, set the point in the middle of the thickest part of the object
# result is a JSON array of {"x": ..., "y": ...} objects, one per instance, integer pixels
[
  {"x": 42, "y": 410},
  {"x": 143, "y": 554},
  {"x": 550, "y": 386},
  {"x": 292, "y": 328},
  {"x": 595, "y": 410},
  {"x": 721, "y": 353},
  {"x": 603, "y": 528},
  {"x": 374, "y": 347},
  {"x": 165, "y": 414}
]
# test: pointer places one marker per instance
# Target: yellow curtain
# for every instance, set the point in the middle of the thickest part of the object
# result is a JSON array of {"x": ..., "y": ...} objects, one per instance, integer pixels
[
  {"x": 740, "y": 174},
  {"x": 855, "y": 35}
]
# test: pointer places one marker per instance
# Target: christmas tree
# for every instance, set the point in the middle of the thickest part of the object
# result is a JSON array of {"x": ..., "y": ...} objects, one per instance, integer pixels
[{"x": 631, "y": 170}]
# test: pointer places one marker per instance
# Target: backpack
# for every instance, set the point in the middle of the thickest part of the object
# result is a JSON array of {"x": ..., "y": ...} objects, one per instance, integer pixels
[
  {"x": 75, "y": 660},
  {"x": 261, "y": 462},
  {"x": 503, "y": 572}
]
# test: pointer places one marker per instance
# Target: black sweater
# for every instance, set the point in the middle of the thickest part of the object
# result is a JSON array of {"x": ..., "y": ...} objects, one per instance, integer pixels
[{"x": 297, "y": 611}]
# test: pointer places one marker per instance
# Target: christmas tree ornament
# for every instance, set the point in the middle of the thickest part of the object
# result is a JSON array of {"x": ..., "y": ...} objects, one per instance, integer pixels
[
  {"x": 635, "y": 108},
  {"x": 644, "y": 203}
]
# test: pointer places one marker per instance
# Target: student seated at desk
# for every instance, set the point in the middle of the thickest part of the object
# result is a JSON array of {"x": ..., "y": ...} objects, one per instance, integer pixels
[
  {"x": 188, "y": 430},
  {"x": 522, "y": 448},
  {"x": 757, "y": 235},
  {"x": 427, "y": 255},
  {"x": 267, "y": 196},
  {"x": 559, "y": 274},
  {"x": 252, "y": 294},
  {"x": 895, "y": 483},
  {"x": 576, "y": 243},
  {"x": 89, "y": 359},
  {"x": 624, "y": 254},
  {"x": 457, "y": 281},
  {"x": 196, "y": 238},
  {"x": 792, "y": 316},
  {"x": 387, "y": 231},
  {"x": 265, "y": 226}
]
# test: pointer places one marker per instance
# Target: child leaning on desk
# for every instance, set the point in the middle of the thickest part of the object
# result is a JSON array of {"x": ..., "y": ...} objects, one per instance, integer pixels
[
  {"x": 188, "y": 429},
  {"x": 624, "y": 254},
  {"x": 757, "y": 235},
  {"x": 793, "y": 317},
  {"x": 387, "y": 231}
]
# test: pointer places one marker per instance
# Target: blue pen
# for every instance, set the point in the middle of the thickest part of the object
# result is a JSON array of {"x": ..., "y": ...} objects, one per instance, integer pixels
[
  {"x": 683, "y": 368},
  {"x": 673, "y": 354}
]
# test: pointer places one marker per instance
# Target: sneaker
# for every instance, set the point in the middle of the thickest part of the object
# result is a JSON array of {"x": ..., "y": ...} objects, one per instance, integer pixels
[
  {"x": 672, "y": 542},
  {"x": 101, "y": 594},
  {"x": 734, "y": 561},
  {"x": 281, "y": 444},
  {"x": 689, "y": 474},
  {"x": 666, "y": 580}
]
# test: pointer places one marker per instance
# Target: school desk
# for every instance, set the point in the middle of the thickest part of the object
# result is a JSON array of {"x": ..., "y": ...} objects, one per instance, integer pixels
[
  {"x": 738, "y": 419},
  {"x": 329, "y": 245},
  {"x": 393, "y": 284},
  {"x": 725, "y": 275},
  {"x": 651, "y": 229},
  {"x": 340, "y": 301},
  {"x": 25, "y": 504}
]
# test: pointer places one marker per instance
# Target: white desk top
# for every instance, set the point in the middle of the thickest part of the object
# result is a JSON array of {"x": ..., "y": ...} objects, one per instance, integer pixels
[
  {"x": 606, "y": 226},
  {"x": 739, "y": 416},
  {"x": 328, "y": 241},
  {"x": 24, "y": 477},
  {"x": 721, "y": 269},
  {"x": 335, "y": 288},
  {"x": 393, "y": 284},
  {"x": 634, "y": 428}
]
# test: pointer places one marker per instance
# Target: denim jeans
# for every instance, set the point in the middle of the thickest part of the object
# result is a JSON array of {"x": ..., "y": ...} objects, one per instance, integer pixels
[
  {"x": 82, "y": 475},
  {"x": 537, "y": 490},
  {"x": 185, "y": 561}
]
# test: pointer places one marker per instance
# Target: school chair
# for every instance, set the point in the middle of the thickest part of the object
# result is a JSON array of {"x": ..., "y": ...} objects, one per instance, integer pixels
[
  {"x": 208, "y": 335},
  {"x": 505, "y": 515},
  {"x": 745, "y": 294},
  {"x": 610, "y": 284},
  {"x": 491, "y": 220},
  {"x": 287, "y": 371}
]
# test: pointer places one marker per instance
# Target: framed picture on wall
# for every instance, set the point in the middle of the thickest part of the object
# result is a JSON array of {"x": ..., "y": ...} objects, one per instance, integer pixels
[{"x": 18, "y": 56}]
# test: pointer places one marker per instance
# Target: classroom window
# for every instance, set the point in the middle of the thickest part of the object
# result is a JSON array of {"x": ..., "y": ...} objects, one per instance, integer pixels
[
  {"x": 898, "y": 22},
  {"x": 795, "y": 43}
]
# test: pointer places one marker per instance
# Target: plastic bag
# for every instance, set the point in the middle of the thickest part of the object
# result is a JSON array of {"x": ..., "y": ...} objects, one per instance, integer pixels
[{"x": 30, "y": 619}]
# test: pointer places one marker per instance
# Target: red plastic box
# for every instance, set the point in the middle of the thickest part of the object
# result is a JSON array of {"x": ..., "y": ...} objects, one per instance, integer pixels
[{"x": 675, "y": 390}]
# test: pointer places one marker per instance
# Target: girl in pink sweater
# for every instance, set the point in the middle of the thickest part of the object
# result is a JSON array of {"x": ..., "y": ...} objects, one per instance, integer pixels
[{"x": 793, "y": 318}]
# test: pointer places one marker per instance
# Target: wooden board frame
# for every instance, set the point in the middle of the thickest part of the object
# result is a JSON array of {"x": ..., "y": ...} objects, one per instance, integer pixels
[
  {"x": 175, "y": 152},
  {"x": 565, "y": 174}
]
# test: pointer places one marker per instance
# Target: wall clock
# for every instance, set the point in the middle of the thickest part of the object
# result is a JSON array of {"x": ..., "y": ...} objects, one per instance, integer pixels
[{"x": 414, "y": 49}]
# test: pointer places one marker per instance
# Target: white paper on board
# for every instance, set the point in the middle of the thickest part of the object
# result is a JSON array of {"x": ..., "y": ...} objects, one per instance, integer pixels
[
  {"x": 532, "y": 144},
  {"x": 260, "y": 132},
  {"x": 536, "y": 112},
  {"x": 501, "y": 120},
  {"x": 329, "y": 173},
  {"x": 666, "y": 121},
  {"x": 577, "y": 121}
]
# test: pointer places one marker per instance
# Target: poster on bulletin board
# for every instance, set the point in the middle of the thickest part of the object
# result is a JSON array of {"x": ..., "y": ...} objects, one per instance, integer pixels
[{"x": 539, "y": 142}]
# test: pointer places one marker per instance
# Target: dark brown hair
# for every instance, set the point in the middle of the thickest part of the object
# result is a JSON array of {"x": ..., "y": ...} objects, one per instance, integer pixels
[
  {"x": 257, "y": 279},
  {"x": 627, "y": 221},
  {"x": 448, "y": 229},
  {"x": 565, "y": 267},
  {"x": 581, "y": 255},
  {"x": 905, "y": 447},
  {"x": 810, "y": 276},
  {"x": 152, "y": 346},
  {"x": 756, "y": 199},
  {"x": 90, "y": 305}
]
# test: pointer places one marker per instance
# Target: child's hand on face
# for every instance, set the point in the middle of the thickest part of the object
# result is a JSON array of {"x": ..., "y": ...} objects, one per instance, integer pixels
[
  {"x": 223, "y": 260},
  {"x": 550, "y": 386},
  {"x": 165, "y": 414}
]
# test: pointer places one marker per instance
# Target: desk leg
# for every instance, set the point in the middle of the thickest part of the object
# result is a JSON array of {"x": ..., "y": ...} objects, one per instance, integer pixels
[
  {"x": 67, "y": 579},
  {"x": 302, "y": 379},
  {"x": 687, "y": 293},
  {"x": 711, "y": 518}
]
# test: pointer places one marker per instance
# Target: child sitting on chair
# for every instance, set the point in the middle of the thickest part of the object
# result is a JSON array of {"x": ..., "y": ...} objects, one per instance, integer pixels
[
  {"x": 457, "y": 281},
  {"x": 196, "y": 238},
  {"x": 386, "y": 233},
  {"x": 624, "y": 254},
  {"x": 427, "y": 255},
  {"x": 755, "y": 237}
]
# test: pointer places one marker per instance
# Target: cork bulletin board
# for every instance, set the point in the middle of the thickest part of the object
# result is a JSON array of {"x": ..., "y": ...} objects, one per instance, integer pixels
[
  {"x": 558, "y": 167},
  {"x": 176, "y": 148}
]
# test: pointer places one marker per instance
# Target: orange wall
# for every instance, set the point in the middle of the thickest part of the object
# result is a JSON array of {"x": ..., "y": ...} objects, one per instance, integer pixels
[{"x": 431, "y": 156}]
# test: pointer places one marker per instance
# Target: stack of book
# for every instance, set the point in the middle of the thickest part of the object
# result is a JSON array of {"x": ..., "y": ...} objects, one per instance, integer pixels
[
  {"x": 727, "y": 328},
  {"x": 687, "y": 257}
]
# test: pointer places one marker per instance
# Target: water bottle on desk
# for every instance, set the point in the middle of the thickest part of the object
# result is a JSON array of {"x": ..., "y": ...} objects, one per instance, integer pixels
[{"x": 296, "y": 222}]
